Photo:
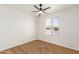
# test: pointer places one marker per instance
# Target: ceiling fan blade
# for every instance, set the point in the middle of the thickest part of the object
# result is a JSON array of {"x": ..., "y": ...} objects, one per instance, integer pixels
[
  {"x": 34, "y": 11},
  {"x": 36, "y": 7},
  {"x": 39, "y": 14},
  {"x": 47, "y": 8},
  {"x": 44, "y": 11}
]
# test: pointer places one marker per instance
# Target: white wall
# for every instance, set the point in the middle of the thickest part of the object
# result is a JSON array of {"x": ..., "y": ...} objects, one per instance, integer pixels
[
  {"x": 69, "y": 29},
  {"x": 15, "y": 28}
]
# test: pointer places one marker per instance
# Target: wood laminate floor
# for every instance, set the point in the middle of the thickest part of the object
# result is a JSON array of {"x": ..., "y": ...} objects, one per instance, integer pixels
[{"x": 39, "y": 47}]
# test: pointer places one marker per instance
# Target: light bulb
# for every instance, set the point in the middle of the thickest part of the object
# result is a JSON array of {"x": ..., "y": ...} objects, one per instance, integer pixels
[{"x": 40, "y": 12}]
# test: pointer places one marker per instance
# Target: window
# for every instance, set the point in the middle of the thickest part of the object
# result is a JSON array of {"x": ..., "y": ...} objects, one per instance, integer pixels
[
  {"x": 52, "y": 26},
  {"x": 48, "y": 25}
]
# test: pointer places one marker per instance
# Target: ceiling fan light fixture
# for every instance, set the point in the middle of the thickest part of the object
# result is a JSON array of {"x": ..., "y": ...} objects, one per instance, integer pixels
[{"x": 40, "y": 12}]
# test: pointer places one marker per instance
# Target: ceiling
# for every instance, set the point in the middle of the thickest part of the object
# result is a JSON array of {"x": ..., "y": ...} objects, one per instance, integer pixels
[{"x": 27, "y": 8}]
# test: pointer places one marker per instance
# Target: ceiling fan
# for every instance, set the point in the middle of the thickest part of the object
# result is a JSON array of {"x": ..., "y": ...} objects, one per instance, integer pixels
[{"x": 40, "y": 9}]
